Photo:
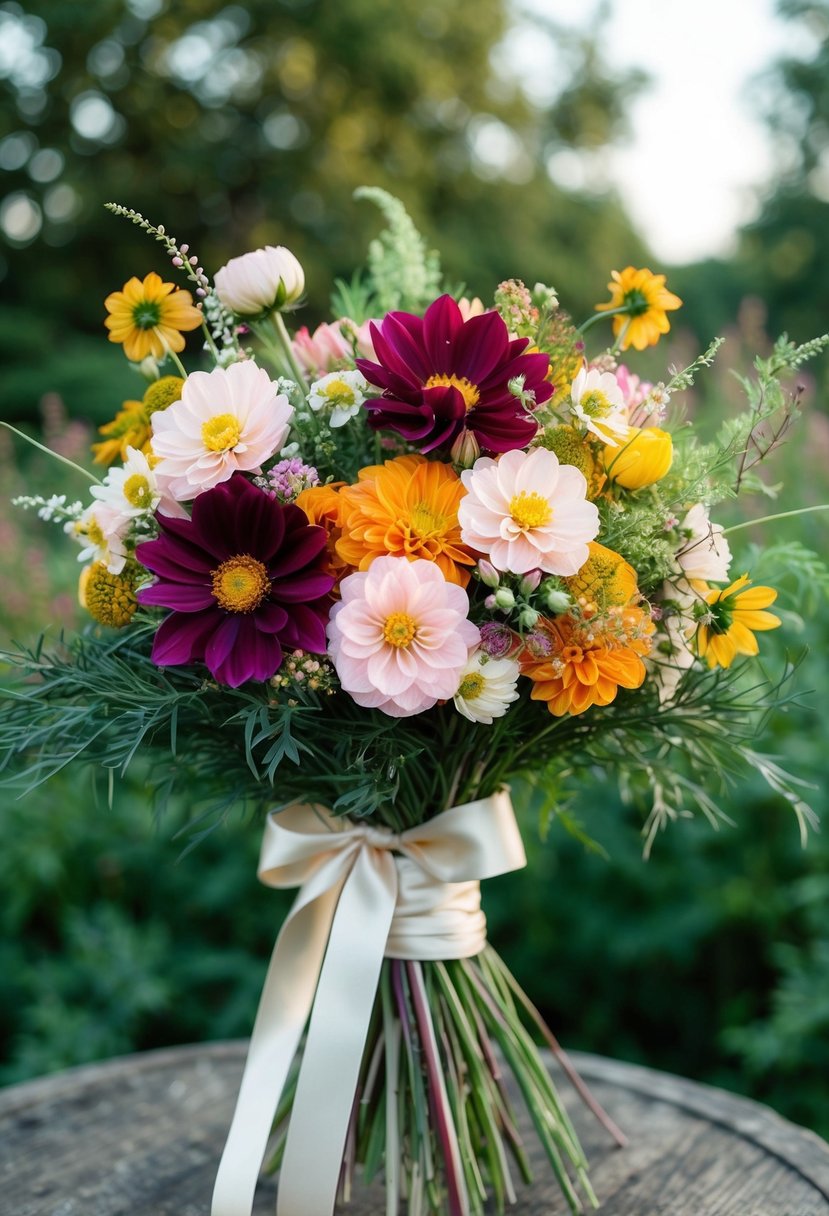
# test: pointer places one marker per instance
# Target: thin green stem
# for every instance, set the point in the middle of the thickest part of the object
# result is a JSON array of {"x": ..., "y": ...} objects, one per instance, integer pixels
[
  {"x": 766, "y": 519},
  {"x": 209, "y": 337},
  {"x": 55, "y": 455},
  {"x": 600, "y": 316},
  {"x": 288, "y": 350},
  {"x": 171, "y": 354}
]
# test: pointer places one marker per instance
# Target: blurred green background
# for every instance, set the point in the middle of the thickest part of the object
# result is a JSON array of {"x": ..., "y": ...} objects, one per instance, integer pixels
[{"x": 240, "y": 124}]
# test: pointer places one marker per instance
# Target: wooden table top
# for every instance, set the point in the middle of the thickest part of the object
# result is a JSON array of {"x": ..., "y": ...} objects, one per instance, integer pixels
[{"x": 142, "y": 1136}]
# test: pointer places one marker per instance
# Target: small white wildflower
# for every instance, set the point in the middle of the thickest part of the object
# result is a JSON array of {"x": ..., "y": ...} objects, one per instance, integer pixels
[
  {"x": 704, "y": 553},
  {"x": 598, "y": 405},
  {"x": 131, "y": 490},
  {"x": 101, "y": 531},
  {"x": 343, "y": 393},
  {"x": 487, "y": 688}
]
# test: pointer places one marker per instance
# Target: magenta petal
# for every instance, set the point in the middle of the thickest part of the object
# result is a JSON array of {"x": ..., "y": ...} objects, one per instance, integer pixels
[
  {"x": 481, "y": 347},
  {"x": 442, "y": 323},
  {"x": 271, "y": 617},
  {"x": 305, "y": 630},
  {"x": 181, "y": 639},
  {"x": 174, "y": 558},
  {"x": 308, "y": 585},
  {"x": 222, "y": 641},
  {"x": 406, "y": 343},
  {"x": 183, "y": 597},
  {"x": 239, "y": 652}
]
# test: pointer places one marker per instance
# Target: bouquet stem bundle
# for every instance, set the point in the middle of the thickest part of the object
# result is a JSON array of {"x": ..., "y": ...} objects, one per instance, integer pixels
[{"x": 450, "y": 1047}]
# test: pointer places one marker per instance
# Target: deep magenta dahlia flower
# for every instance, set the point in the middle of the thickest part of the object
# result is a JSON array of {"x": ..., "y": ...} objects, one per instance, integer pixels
[
  {"x": 442, "y": 376},
  {"x": 245, "y": 577}
]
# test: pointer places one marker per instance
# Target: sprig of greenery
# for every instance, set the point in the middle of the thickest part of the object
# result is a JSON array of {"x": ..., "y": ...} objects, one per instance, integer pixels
[{"x": 403, "y": 272}]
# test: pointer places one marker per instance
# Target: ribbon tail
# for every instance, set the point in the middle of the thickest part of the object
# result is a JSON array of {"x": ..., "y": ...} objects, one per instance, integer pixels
[
  {"x": 337, "y": 1034},
  {"x": 283, "y": 1011}
]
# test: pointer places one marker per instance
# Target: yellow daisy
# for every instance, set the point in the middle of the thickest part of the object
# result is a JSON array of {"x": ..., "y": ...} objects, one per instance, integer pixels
[
  {"x": 734, "y": 616},
  {"x": 646, "y": 300},
  {"x": 148, "y": 318}
]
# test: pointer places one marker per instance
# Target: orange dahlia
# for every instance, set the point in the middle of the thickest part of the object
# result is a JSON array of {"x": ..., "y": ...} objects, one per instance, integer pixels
[
  {"x": 589, "y": 661},
  {"x": 322, "y": 506},
  {"x": 407, "y": 507},
  {"x": 148, "y": 318}
]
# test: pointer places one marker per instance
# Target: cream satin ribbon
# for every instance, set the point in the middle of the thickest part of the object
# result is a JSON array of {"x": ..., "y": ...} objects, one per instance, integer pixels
[{"x": 357, "y": 904}]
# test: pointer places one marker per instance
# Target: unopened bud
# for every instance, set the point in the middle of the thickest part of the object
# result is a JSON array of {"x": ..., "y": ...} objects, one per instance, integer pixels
[
  {"x": 504, "y": 599},
  {"x": 530, "y": 582},
  {"x": 489, "y": 575},
  {"x": 465, "y": 450},
  {"x": 557, "y": 600},
  {"x": 527, "y": 617},
  {"x": 489, "y": 603}
]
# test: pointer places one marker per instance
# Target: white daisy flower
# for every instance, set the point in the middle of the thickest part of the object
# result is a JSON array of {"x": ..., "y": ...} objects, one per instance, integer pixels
[
  {"x": 341, "y": 393},
  {"x": 487, "y": 688},
  {"x": 100, "y": 531},
  {"x": 705, "y": 553},
  {"x": 131, "y": 490},
  {"x": 598, "y": 404}
]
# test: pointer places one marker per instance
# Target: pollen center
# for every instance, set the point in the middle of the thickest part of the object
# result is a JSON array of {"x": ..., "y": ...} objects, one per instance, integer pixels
[
  {"x": 425, "y": 521},
  {"x": 595, "y": 404},
  {"x": 338, "y": 392},
  {"x": 466, "y": 388},
  {"x": 399, "y": 629},
  {"x": 221, "y": 433},
  {"x": 471, "y": 686},
  {"x": 241, "y": 583},
  {"x": 530, "y": 510},
  {"x": 146, "y": 315},
  {"x": 95, "y": 533},
  {"x": 137, "y": 490},
  {"x": 572, "y": 654}
]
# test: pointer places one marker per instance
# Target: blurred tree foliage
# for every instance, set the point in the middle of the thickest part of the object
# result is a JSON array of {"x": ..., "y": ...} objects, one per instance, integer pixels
[
  {"x": 237, "y": 126},
  {"x": 782, "y": 257}
]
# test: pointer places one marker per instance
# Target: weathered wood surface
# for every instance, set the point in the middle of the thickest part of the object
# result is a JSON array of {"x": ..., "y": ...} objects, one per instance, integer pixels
[{"x": 141, "y": 1136}]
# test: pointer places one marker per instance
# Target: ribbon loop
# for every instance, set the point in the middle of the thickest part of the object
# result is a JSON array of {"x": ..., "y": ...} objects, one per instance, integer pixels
[{"x": 365, "y": 893}]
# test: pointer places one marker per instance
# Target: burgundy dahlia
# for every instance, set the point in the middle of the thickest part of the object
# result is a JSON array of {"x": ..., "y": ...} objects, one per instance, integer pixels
[
  {"x": 442, "y": 377},
  {"x": 245, "y": 577}
]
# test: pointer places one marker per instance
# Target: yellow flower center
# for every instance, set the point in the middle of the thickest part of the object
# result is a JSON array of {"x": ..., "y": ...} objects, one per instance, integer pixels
[
  {"x": 108, "y": 598},
  {"x": 399, "y": 629},
  {"x": 221, "y": 433},
  {"x": 530, "y": 510},
  {"x": 467, "y": 390},
  {"x": 425, "y": 520},
  {"x": 95, "y": 533},
  {"x": 137, "y": 490},
  {"x": 241, "y": 583},
  {"x": 471, "y": 686},
  {"x": 595, "y": 404},
  {"x": 338, "y": 391}
]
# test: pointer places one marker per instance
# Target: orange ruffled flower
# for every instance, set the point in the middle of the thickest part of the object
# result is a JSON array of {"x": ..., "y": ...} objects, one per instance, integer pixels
[
  {"x": 148, "y": 318},
  {"x": 322, "y": 506},
  {"x": 407, "y": 507},
  {"x": 736, "y": 615},
  {"x": 646, "y": 301},
  {"x": 589, "y": 661}
]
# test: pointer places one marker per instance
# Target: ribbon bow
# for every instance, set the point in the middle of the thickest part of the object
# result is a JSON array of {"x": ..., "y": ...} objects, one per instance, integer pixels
[{"x": 357, "y": 904}]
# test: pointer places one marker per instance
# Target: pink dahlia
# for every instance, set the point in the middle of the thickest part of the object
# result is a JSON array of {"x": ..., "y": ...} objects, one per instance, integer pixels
[
  {"x": 400, "y": 637},
  {"x": 444, "y": 377},
  {"x": 526, "y": 511},
  {"x": 230, "y": 419},
  {"x": 245, "y": 578}
]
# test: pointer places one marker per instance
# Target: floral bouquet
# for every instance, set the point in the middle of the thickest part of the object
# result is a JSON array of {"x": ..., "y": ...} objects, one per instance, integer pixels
[{"x": 374, "y": 574}]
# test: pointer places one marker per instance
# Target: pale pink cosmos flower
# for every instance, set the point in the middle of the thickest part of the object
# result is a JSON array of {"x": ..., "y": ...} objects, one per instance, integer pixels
[
  {"x": 227, "y": 420},
  {"x": 597, "y": 405},
  {"x": 400, "y": 636},
  {"x": 526, "y": 511}
]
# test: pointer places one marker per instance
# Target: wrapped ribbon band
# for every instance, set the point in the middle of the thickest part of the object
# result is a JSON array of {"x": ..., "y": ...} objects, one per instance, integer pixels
[{"x": 365, "y": 893}]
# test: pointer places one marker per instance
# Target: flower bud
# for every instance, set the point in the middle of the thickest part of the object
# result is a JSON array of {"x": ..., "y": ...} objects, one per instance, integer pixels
[
  {"x": 640, "y": 459},
  {"x": 260, "y": 282},
  {"x": 465, "y": 450},
  {"x": 555, "y": 598},
  {"x": 489, "y": 575},
  {"x": 504, "y": 599},
  {"x": 148, "y": 368},
  {"x": 528, "y": 617},
  {"x": 529, "y": 582},
  {"x": 489, "y": 603}
]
